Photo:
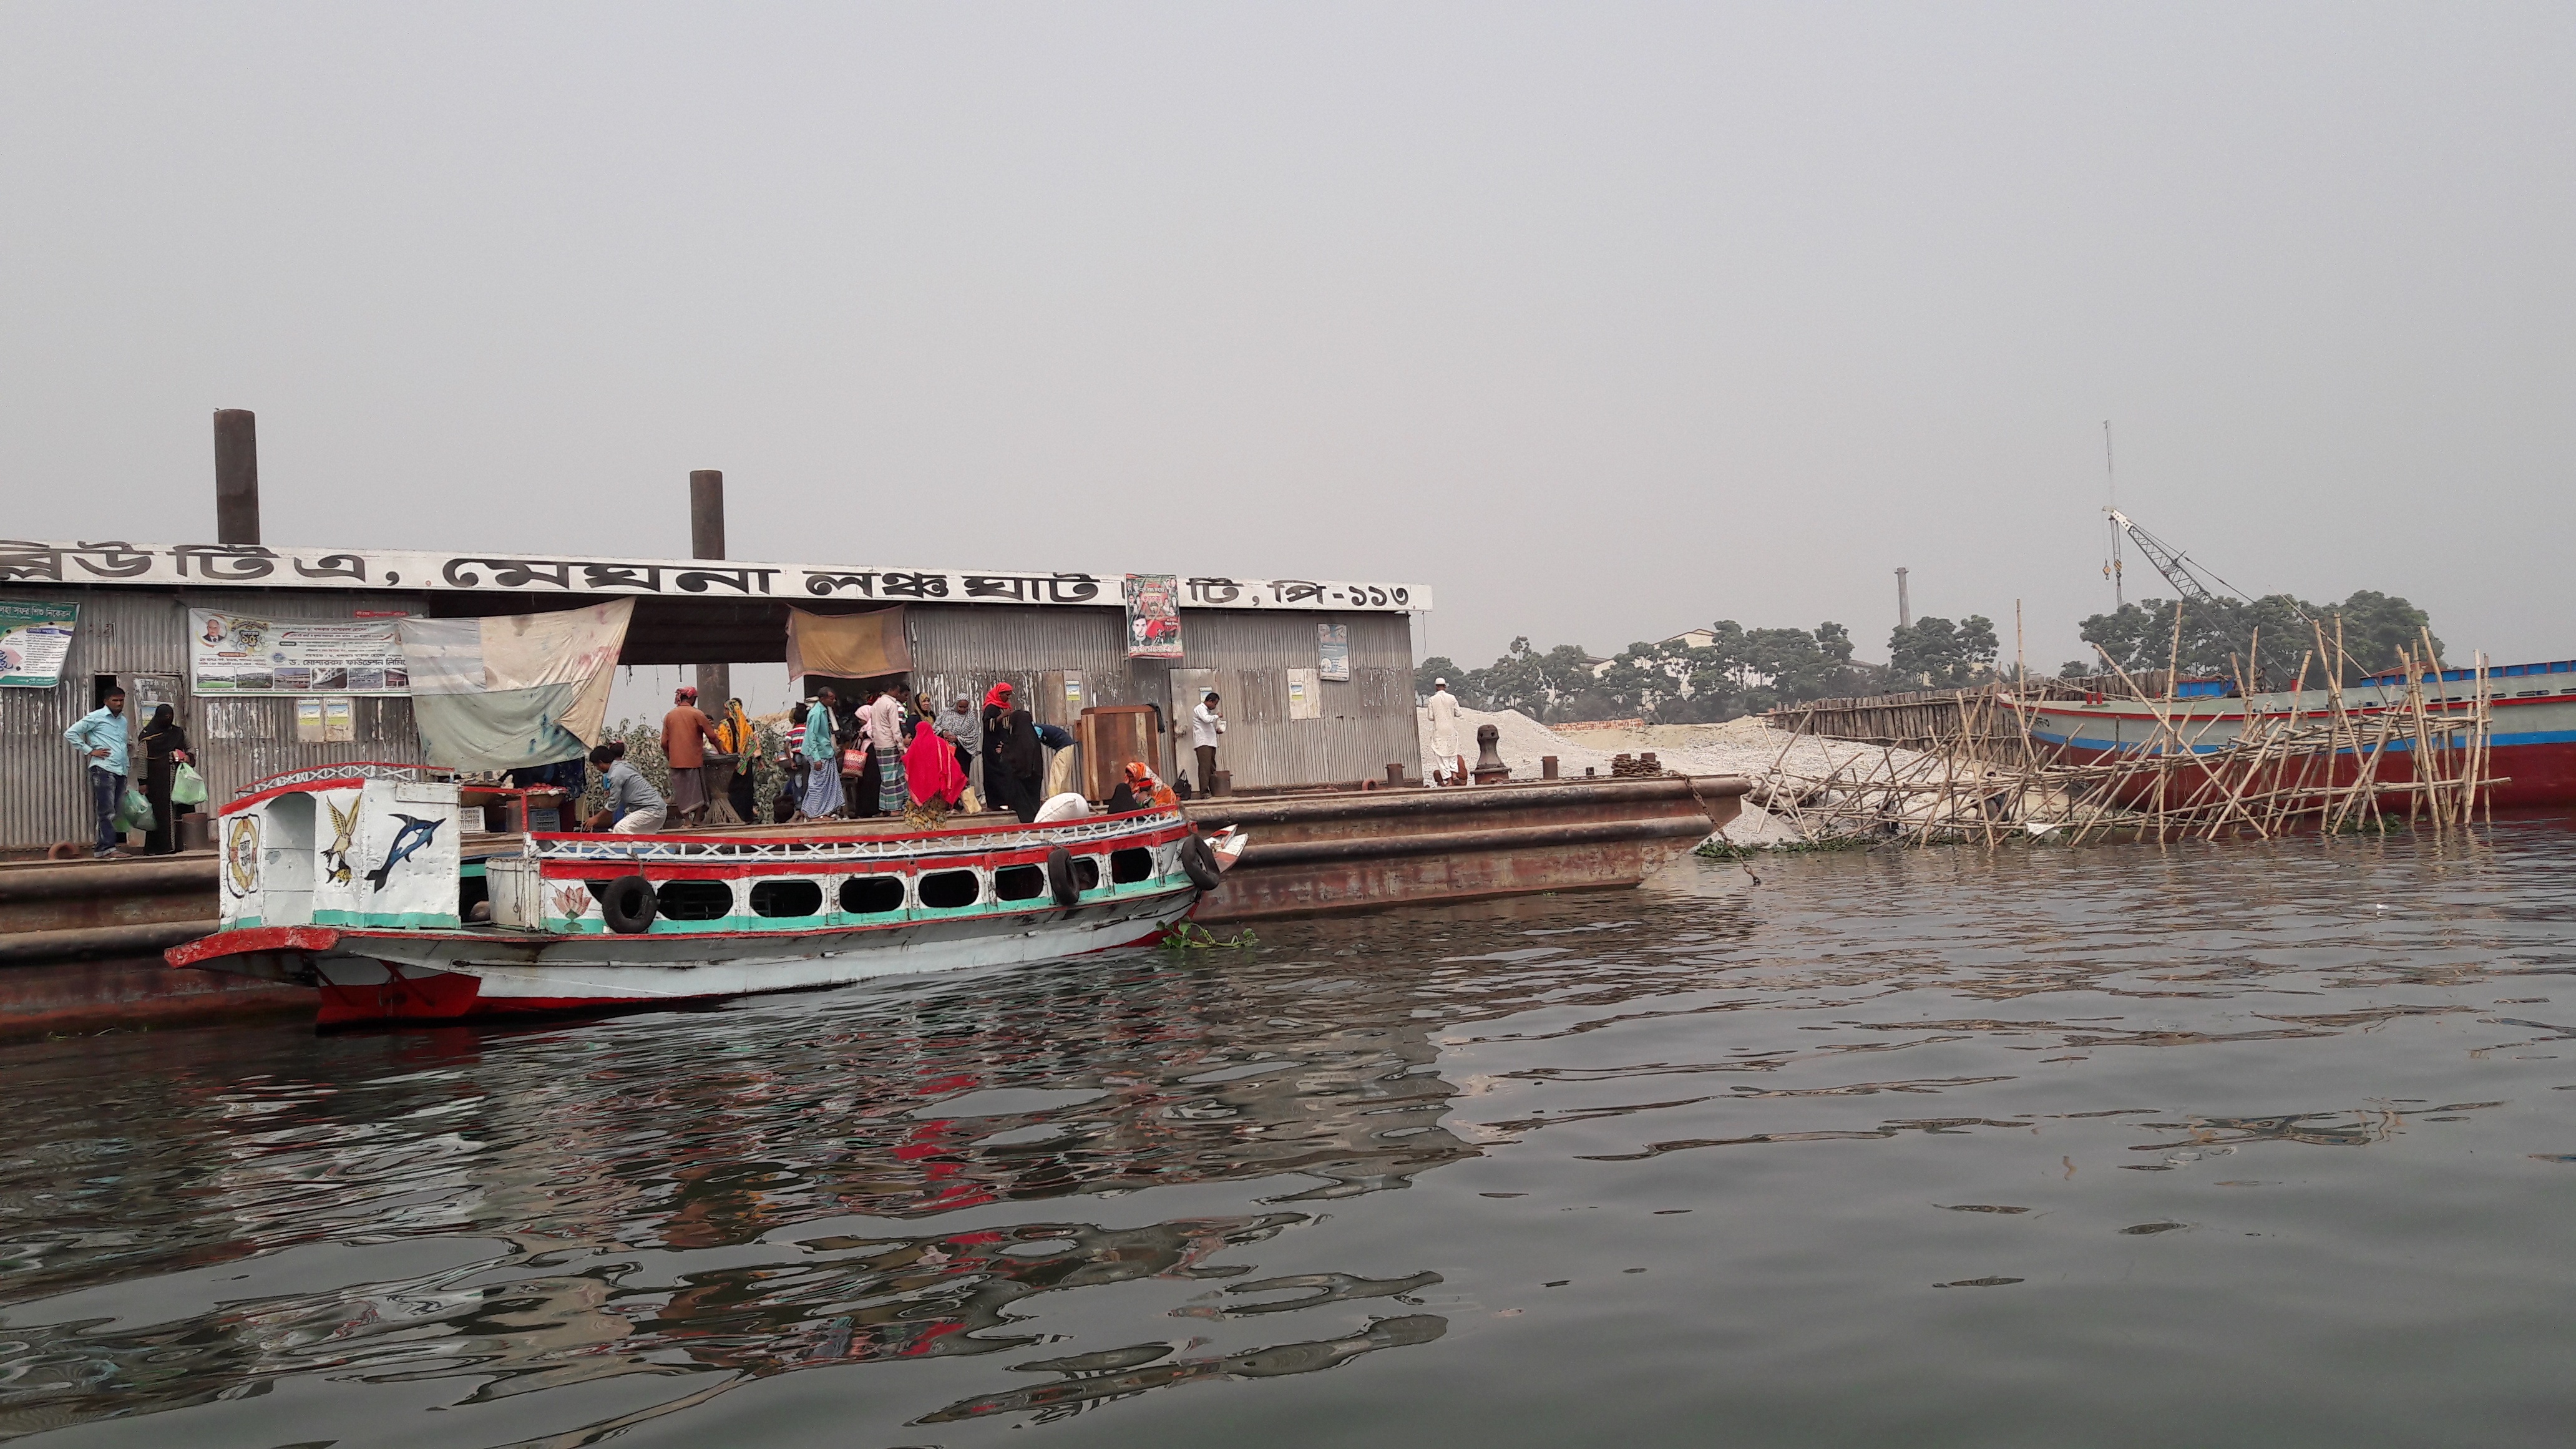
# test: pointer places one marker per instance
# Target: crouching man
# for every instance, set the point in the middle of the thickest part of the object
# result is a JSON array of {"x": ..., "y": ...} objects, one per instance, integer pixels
[{"x": 632, "y": 805}]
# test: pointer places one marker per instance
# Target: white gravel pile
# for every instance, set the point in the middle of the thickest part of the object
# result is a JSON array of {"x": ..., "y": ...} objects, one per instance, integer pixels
[{"x": 1747, "y": 747}]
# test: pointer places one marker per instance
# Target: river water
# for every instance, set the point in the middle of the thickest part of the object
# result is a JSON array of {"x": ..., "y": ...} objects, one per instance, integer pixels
[{"x": 2215, "y": 1145}]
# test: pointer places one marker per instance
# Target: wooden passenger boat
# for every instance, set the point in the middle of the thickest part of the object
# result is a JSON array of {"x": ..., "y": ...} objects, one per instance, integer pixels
[{"x": 361, "y": 882}]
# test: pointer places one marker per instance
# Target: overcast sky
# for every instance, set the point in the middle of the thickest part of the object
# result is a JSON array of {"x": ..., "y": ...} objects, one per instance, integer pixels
[{"x": 1603, "y": 320}]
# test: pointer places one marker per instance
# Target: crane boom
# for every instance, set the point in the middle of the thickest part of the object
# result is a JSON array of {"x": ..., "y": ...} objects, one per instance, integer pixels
[{"x": 2168, "y": 561}]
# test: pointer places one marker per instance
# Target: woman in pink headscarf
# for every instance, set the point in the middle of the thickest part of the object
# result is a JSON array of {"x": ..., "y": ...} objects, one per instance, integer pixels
[{"x": 930, "y": 769}]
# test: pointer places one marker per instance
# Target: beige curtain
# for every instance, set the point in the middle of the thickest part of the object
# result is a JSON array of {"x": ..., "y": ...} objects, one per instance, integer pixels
[{"x": 847, "y": 646}]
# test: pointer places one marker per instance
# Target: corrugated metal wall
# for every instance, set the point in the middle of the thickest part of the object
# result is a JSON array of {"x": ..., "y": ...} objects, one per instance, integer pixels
[
  {"x": 1364, "y": 724},
  {"x": 44, "y": 796},
  {"x": 969, "y": 649}
]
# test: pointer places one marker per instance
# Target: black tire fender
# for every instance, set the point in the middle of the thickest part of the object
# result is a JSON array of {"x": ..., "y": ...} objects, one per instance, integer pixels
[
  {"x": 628, "y": 906},
  {"x": 1200, "y": 862},
  {"x": 1061, "y": 881}
]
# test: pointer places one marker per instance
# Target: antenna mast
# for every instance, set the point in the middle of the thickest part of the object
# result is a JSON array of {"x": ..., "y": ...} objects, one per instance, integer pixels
[{"x": 2115, "y": 568}]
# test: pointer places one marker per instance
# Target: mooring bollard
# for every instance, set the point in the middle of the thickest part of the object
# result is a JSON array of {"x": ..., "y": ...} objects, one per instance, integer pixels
[
  {"x": 1547, "y": 767},
  {"x": 1490, "y": 768}
]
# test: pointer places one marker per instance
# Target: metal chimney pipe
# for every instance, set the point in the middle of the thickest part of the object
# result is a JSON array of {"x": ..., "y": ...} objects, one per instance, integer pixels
[
  {"x": 236, "y": 476},
  {"x": 1904, "y": 610},
  {"x": 707, "y": 540}
]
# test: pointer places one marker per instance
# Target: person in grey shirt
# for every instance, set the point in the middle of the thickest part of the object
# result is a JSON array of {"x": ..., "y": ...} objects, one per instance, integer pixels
[
  {"x": 963, "y": 727},
  {"x": 626, "y": 789}
]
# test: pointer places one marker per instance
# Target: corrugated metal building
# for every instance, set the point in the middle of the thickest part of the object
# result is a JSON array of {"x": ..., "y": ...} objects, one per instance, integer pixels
[
  {"x": 138, "y": 638},
  {"x": 1354, "y": 730},
  {"x": 1289, "y": 726}
]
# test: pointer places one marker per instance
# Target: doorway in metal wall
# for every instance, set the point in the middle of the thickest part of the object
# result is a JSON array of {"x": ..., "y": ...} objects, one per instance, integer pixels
[{"x": 1187, "y": 686}]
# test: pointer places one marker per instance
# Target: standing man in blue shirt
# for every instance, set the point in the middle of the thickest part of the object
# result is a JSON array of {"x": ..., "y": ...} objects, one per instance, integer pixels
[{"x": 101, "y": 738}]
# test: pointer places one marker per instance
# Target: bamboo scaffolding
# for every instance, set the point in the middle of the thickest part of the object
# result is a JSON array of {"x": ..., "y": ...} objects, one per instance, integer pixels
[{"x": 2270, "y": 766}]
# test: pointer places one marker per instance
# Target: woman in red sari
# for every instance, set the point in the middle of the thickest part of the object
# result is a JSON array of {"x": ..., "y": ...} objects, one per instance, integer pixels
[{"x": 930, "y": 769}]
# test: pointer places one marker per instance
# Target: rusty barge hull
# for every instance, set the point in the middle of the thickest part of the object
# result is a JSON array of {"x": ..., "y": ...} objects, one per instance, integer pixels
[
  {"x": 81, "y": 943},
  {"x": 1371, "y": 849}
]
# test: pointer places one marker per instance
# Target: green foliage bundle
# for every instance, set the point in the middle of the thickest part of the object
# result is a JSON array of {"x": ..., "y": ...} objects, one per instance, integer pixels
[{"x": 643, "y": 741}]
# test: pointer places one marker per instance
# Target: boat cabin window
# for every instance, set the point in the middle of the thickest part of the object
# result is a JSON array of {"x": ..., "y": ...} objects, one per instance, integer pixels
[
  {"x": 1019, "y": 883},
  {"x": 871, "y": 895},
  {"x": 1086, "y": 872},
  {"x": 1135, "y": 863},
  {"x": 786, "y": 898},
  {"x": 693, "y": 900},
  {"x": 946, "y": 890}
]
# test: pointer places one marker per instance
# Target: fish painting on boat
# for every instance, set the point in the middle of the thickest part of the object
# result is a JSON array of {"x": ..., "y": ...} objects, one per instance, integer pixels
[
  {"x": 539, "y": 921},
  {"x": 415, "y": 833}
]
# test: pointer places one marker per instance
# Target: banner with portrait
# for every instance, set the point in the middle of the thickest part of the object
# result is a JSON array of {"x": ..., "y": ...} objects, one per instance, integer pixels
[
  {"x": 257, "y": 654},
  {"x": 1333, "y": 651},
  {"x": 1153, "y": 616}
]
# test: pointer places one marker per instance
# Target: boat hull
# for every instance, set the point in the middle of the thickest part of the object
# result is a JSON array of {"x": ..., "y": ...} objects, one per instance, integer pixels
[
  {"x": 1361, "y": 850},
  {"x": 573, "y": 922},
  {"x": 2532, "y": 738},
  {"x": 364, "y": 976}
]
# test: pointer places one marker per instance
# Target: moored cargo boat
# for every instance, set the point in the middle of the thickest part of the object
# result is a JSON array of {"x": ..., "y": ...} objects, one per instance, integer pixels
[
  {"x": 361, "y": 882},
  {"x": 2530, "y": 741}
]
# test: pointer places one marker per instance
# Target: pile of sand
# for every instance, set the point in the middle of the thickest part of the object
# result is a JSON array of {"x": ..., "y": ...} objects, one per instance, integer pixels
[{"x": 1747, "y": 747}]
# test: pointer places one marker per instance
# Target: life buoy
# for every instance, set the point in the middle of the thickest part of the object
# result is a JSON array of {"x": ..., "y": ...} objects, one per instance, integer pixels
[
  {"x": 1200, "y": 862},
  {"x": 1061, "y": 881},
  {"x": 627, "y": 905}
]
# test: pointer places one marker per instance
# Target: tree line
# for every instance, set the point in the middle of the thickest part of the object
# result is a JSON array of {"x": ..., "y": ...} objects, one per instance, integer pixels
[
  {"x": 1744, "y": 671},
  {"x": 2277, "y": 630},
  {"x": 1739, "y": 671}
]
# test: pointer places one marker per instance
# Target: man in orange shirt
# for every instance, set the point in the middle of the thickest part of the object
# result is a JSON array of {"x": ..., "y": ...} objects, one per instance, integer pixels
[{"x": 685, "y": 736}]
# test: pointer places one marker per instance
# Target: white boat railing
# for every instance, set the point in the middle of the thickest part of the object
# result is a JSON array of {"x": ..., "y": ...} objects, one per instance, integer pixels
[{"x": 1070, "y": 834}]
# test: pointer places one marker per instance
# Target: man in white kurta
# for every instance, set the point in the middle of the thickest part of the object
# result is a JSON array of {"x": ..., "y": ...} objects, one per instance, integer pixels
[{"x": 1444, "y": 729}]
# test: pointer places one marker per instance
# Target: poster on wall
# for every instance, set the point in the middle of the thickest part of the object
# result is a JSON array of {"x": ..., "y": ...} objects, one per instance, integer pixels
[
  {"x": 1333, "y": 642},
  {"x": 33, "y": 640},
  {"x": 1153, "y": 616},
  {"x": 254, "y": 654},
  {"x": 1305, "y": 695}
]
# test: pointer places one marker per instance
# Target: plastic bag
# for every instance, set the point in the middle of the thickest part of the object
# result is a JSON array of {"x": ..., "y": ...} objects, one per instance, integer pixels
[
  {"x": 136, "y": 813},
  {"x": 187, "y": 787}
]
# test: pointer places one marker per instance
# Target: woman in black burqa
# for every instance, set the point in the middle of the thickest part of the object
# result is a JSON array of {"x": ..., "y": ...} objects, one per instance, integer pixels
[
  {"x": 165, "y": 745},
  {"x": 1015, "y": 763}
]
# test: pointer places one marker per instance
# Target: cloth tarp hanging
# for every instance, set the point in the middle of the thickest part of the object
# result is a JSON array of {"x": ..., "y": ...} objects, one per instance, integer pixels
[
  {"x": 513, "y": 690},
  {"x": 847, "y": 646}
]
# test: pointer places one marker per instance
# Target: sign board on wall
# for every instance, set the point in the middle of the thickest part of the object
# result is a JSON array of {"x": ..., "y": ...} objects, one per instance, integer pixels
[
  {"x": 252, "y": 654},
  {"x": 250, "y": 565},
  {"x": 33, "y": 640},
  {"x": 1305, "y": 695},
  {"x": 326, "y": 721},
  {"x": 1333, "y": 643},
  {"x": 1153, "y": 616}
]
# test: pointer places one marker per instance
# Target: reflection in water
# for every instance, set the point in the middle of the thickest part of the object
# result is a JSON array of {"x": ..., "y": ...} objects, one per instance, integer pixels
[
  {"x": 610, "y": 1156},
  {"x": 1078, "y": 1391},
  {"x": 1077, "y": 1184}
]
